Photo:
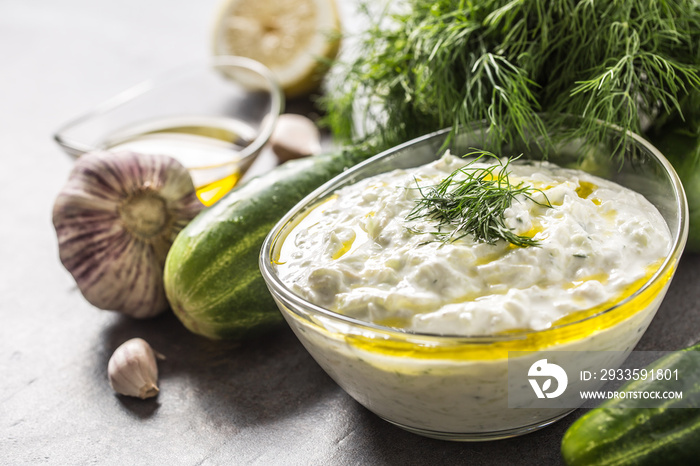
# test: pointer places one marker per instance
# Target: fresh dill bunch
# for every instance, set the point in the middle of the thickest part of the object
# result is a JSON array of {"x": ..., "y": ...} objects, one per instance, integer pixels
[
  {"x": 472, "y": 201},
  {"x": 440, "y": 63}
]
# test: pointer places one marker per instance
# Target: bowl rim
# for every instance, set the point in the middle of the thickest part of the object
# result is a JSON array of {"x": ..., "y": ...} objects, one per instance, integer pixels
[
  {"x": 76, "y": 148},
  {"x": 277, "y": 286}
]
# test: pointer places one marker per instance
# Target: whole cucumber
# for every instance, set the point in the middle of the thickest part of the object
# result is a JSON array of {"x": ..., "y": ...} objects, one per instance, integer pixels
[
  {"x": 211, "y": 276},
  {"x": 677, "y": 136},
  {"x": 683, "y": 151},
  {"x": 617, "y": 433}
]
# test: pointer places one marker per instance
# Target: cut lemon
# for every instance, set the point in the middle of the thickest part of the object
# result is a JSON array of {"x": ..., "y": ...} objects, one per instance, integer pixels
[{"x": 288, "y": 36}]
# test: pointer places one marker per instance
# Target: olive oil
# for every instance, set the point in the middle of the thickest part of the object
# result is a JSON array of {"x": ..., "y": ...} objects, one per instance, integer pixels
[{"x": 209, "y": 147}]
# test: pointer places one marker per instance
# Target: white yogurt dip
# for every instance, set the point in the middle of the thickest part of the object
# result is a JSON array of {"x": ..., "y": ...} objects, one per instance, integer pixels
[
  {"x": 599, "y": 245},
  {"x": 358, "y": 255}
]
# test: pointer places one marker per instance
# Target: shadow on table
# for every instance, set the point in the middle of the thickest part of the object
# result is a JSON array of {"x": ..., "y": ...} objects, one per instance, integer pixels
[
  {"x": 379, "y": 442},
  {"x": 250, "y": 383}
]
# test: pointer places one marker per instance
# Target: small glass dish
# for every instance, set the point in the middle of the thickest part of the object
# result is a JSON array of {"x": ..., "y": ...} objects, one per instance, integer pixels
[
  {"x": 457, "y": 387},
  {"x": 213, "y": 117}
]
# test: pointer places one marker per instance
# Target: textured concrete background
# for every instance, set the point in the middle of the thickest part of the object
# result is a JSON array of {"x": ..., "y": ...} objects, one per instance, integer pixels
[{"x": 265, "y": 402}]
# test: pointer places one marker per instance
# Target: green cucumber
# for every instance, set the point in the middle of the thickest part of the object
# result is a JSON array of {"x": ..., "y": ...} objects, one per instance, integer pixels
[
  {"x": 616, "y": 433},
  {"x": 683, "y": 151},
  {"x": 677, "y": 136},
  {"x": 211, "y": 276}
]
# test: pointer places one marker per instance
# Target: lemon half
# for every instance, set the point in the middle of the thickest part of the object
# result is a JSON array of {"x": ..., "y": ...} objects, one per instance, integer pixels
[{"x": 288, "y": 36}]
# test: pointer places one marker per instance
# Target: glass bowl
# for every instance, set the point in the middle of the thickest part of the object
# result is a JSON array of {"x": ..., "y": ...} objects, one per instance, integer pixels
[
  {"x": 455, "y": 387},
  {"x": 213, "y": 117}
]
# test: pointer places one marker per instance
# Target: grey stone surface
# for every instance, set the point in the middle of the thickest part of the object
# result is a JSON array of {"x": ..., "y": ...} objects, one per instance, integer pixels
[{"x": 264, "y": 402}]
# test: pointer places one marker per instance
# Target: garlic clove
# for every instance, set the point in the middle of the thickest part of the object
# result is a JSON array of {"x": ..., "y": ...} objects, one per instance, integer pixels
[
  {"x": 133, "y": 370},
  {"x": 295, "y": 136},
  {"x": 115, "y": 220}
]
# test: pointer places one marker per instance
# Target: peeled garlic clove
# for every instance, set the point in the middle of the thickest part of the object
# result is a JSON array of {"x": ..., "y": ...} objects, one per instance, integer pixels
[
  {"x": 295, "y": 136},
  {"x": 115, "y": 220},
  {"x": 133, "y": 370}
]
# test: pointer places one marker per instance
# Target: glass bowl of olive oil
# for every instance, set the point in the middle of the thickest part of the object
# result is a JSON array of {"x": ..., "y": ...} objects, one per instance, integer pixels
[{"x": 213, "y": 117}]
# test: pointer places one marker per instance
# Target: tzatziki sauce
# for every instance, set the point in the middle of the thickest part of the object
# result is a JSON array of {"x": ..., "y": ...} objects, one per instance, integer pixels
[{"x": 357, "y": 253}]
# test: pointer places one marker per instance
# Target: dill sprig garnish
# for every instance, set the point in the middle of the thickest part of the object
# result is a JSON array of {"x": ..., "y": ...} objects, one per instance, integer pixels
[{"x": 472, "y": 201}]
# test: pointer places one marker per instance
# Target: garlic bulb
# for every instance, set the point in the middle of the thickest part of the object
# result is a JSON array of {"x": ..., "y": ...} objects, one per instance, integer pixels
[
  {"x": 133, "y": 370},
  {"x": 116, "y": 219},
  {"x": 295, "y": 136}
]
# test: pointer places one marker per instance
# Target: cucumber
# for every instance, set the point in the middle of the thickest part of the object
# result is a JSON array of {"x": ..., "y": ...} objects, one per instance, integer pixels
[
  {"x": 683, "y": 151},
  {"x": 211, "y": 276},
  {"x": 677, "y": 136},
  {"x": 615, "y": 433}
]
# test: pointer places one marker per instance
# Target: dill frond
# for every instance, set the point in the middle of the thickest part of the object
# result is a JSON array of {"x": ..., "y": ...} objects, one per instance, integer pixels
[
  {"x": 451, "y": 62},
  {"x": 475, "y": 203}
]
